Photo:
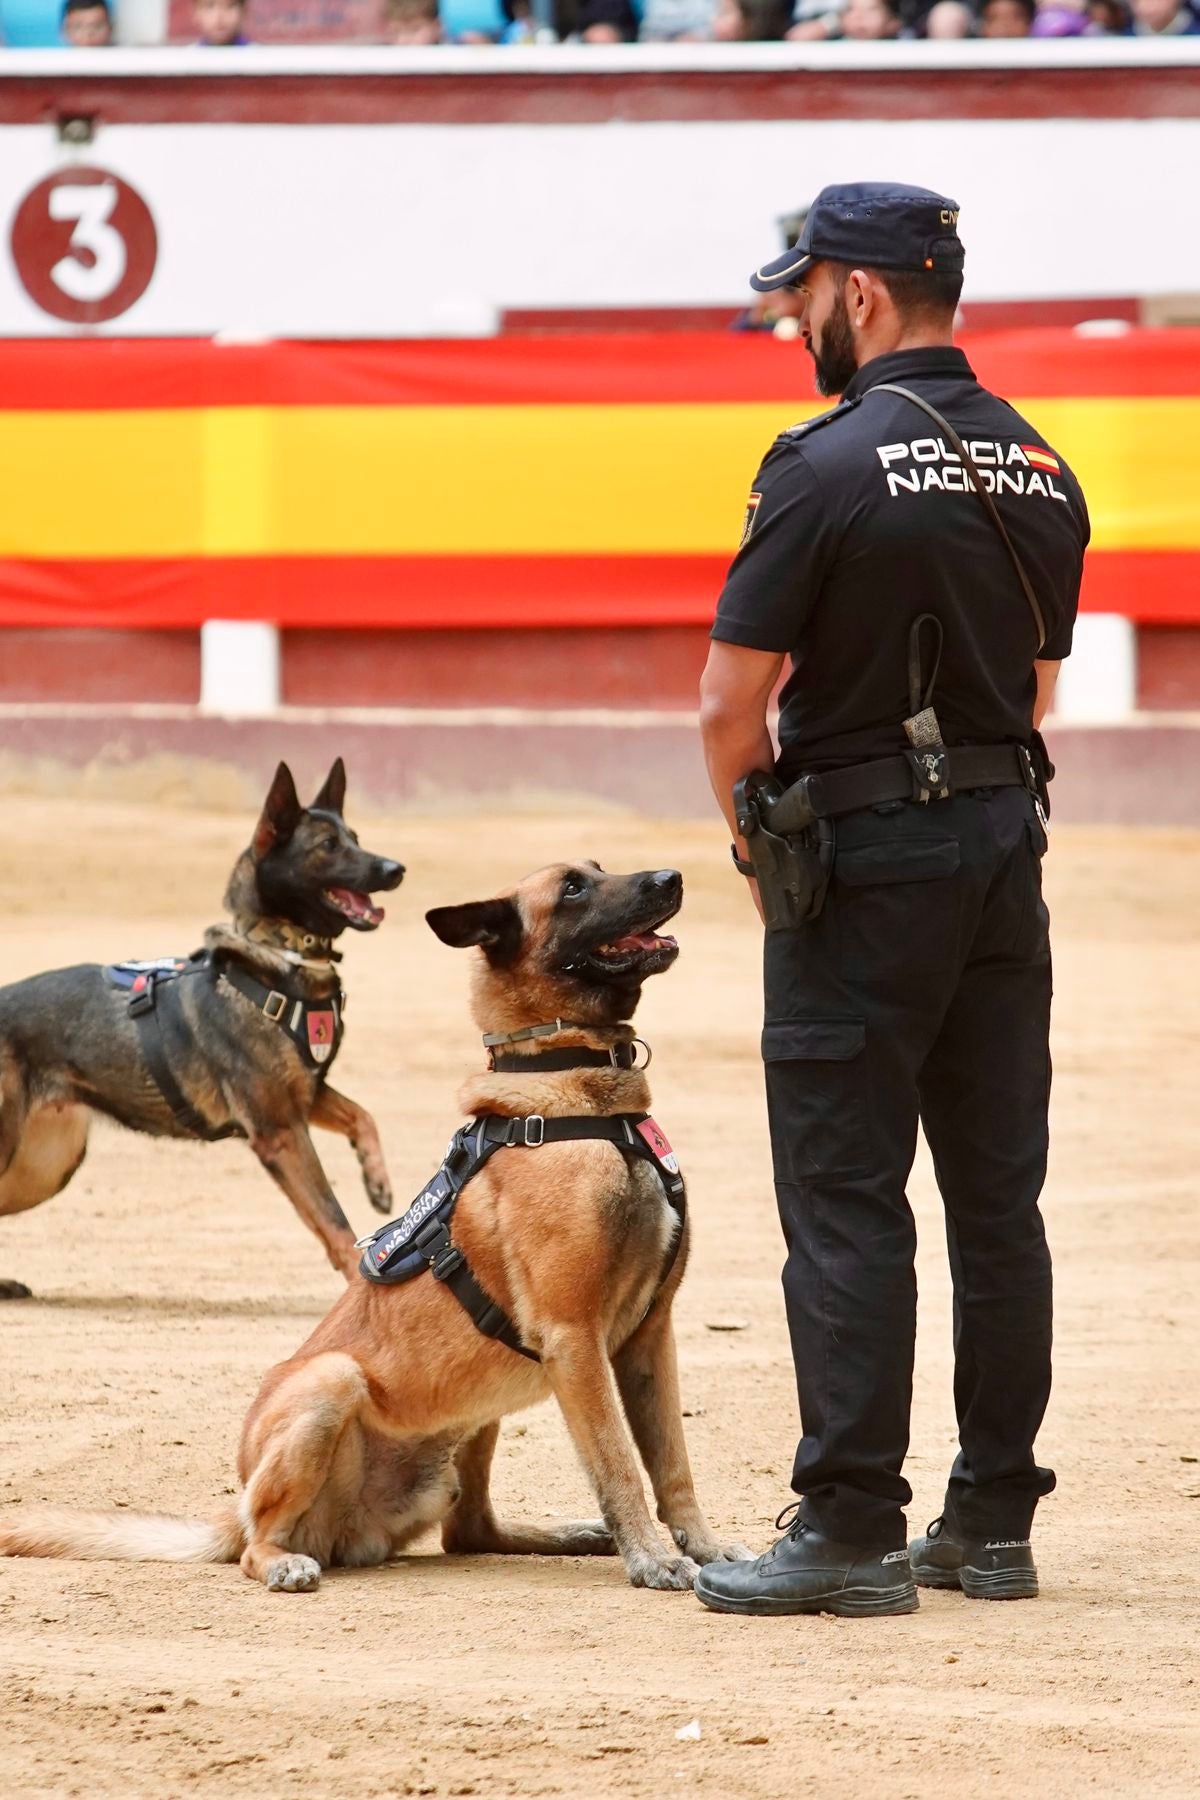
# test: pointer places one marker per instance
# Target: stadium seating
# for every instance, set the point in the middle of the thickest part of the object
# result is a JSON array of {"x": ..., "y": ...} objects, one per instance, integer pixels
[{"x": 30, "y": 24}]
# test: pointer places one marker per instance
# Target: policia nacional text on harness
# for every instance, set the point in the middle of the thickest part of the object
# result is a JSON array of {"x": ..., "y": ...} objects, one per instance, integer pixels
[{"x": 790, "y": 833}]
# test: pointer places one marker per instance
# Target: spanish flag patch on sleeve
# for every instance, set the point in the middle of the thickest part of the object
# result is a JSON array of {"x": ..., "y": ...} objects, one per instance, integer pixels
[
  {"x": 1041, "y": 459},
  {"x": 752, "y": 506}
]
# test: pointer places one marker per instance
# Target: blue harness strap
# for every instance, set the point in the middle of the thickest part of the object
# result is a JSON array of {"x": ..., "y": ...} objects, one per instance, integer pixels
[{"x": 420, "y": 1239}]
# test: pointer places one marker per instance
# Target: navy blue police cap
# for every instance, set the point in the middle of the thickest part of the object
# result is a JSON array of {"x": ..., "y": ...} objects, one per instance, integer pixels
[{"x": 872, "y": 224}]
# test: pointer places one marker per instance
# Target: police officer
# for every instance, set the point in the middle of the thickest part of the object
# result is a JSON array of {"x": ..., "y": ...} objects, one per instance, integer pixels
[{"x": 911, "y": 977}]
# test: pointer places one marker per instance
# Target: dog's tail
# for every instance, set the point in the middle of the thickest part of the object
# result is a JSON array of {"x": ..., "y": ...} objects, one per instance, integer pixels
[{"x": 120, "y": 1536}]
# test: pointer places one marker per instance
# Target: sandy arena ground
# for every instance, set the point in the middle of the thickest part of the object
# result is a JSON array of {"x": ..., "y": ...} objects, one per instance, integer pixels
[{"x": 168, "y": 1277}]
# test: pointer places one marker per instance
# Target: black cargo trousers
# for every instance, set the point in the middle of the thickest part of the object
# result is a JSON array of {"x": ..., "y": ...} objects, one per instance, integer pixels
[{"x": 921, "y": 990}]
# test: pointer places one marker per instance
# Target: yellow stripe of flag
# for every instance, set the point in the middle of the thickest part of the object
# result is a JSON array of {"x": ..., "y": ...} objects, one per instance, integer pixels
[{"x": 429, "y": 480}]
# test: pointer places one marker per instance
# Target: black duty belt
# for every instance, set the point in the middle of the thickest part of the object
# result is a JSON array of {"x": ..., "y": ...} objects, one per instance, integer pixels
[
  {"x": 421, "y": 1240},
  {"x": 919, "y": 774},
  {"x": 314, "y": 1026}
]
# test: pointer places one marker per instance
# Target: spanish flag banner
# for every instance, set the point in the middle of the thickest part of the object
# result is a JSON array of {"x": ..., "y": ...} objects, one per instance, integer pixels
[{"x": 520, "y": 481}]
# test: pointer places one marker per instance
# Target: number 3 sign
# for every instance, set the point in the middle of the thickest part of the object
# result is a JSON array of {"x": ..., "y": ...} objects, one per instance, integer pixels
[{"x": 84, "y": 245}]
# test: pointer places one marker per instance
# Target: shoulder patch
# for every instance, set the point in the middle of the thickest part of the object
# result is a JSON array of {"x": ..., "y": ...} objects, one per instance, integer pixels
[
  {"x": 752, "y": 506},
  {"x": 807, "y": 426}
]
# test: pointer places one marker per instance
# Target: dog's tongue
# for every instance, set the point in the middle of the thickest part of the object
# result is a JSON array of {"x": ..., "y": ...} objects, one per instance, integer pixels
[
  {"x": 356, "y": 905},
  {"x": 640, "y": 940}
]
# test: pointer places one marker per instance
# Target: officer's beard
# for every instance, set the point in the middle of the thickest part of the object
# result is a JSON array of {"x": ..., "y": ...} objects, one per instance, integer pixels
[{"x": 835, "y": 364}]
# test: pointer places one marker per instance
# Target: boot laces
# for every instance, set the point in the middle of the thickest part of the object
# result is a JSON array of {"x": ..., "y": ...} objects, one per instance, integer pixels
[{"x": 790, "y": 1522}]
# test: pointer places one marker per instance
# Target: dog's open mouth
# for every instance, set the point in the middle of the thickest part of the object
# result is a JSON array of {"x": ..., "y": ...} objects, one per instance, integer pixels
[
  {"x": 645, "y": 949},
  {"x": 359, "y": 909}
]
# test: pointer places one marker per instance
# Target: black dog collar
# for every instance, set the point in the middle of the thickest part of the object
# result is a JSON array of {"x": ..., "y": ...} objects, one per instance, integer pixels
[{"x": 619, "y": 1056}]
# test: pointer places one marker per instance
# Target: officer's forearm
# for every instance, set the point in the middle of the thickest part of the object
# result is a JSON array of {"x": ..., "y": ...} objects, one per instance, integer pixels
[
  {"x": 733, "y": 746},
  {"x": 735, "y": 691},
  {"x": 1047, "y": 675}
]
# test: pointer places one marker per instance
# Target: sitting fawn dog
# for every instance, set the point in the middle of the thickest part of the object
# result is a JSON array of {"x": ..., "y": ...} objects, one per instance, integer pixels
[{"x": 549, "y": 1267}]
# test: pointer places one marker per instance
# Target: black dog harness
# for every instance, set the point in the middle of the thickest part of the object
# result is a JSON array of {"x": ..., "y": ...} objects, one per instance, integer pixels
[
  {"x": 421, "y": 1238},
  {"x": 314, "y": 1026}
]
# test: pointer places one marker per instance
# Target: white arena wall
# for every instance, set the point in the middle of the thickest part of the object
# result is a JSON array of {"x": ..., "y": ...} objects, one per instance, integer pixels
[{"x": 364, "y": 193}]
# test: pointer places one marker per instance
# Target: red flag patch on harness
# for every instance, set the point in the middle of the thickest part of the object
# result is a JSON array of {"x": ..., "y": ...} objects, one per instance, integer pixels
[
  {"x": 320, "y": 1035},
  {"x": 658, "y": 1142}
]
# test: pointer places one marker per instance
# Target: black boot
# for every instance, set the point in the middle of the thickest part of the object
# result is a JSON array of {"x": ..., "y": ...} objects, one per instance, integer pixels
[
  {"x": 808, "y": 1573},
  {"x": 998, "y": 1569}
]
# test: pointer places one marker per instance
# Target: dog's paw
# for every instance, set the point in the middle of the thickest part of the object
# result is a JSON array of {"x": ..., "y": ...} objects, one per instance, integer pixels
[
  {"x": 293, "y": 1575},
  {"x": 15, "y": 1290},
  {"x": 587, "y": 1537},
  {"x": 379, "y": 1193},
  {"x": 666, "y": 1574},
  {"x": 712, "y": 1553}
]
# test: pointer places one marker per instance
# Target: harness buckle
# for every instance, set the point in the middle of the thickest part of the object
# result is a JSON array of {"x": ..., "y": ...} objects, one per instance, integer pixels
[
  {"x": 444, "y": 1262},
  {"x": 435, "y": 1245},
  {"x": 143, "y": 1002},
  {"x": 274, "y": 1006},
  {"x": 532, "y": 1142}
]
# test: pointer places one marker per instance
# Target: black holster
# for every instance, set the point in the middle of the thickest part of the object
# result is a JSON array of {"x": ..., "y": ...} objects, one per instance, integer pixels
[
  {"x": 792, "y": 868},
  {"x": 1043, "y": 770}
]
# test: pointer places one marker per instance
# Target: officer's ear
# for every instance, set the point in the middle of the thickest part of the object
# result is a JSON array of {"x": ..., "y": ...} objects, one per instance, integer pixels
[
  {"x": 493, "y": 925},
  {"x": 859, "y": 297}
]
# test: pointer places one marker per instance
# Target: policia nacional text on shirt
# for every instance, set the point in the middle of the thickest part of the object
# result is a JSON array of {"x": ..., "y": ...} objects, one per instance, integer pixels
[{"x": 916, "y": 552}]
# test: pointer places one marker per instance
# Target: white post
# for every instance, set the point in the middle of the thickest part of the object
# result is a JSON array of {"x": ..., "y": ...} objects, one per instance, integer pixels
[
  {"x": 239, "y": 666},
  {"x": 1098, "y": 681}
]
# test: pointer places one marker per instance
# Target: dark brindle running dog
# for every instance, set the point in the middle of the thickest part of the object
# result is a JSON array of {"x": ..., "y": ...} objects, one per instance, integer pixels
[
  {"x": 246, "y": 1034},
  {"x": 385, "y": 1421}
]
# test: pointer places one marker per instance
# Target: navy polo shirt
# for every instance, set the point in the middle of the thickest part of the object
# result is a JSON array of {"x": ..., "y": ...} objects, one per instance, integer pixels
[{"x": 864, "y": 518}]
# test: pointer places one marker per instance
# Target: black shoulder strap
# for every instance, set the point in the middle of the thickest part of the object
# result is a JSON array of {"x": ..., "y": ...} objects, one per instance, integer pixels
[
  {"x": 960, "y": 449},
  {"x": 143, "y": 1009},
  {"x": 289, "y": 1011},
  {"x": 622, "y": 1129},
  {"x": 805, "y": 426}
]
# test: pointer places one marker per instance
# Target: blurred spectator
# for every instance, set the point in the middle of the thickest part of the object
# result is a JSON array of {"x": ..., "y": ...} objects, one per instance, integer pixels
[
  {"x": 1006, "y": 18},
  {"x": 520, "y": 26},
  {"x": 87, "y": 24},
  {"x": 781, "y": 311},
  {"x": 1163, "y": 18},
  {"x": 666, "y": 20},
  {"x": 410, "y": 22},
  {"x": 751, "y": 21},
  {"x": 607, "y": 22},
  {"x": 814, "y": 19},
  {"x": 1109, "y": 18},
  {"x": 220, "y": 23},
  {"x": 869, "y": 21},
  {"x": 949, "y": 19},
  {"x": 1059, "y": 18}
]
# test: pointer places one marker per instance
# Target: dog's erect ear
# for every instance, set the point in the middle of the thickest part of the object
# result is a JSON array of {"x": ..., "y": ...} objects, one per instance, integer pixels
[
  {"x": 495, "y": 925},
  {"x": 280, "y": 813},
  {"x": 332, "y": 797}
]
